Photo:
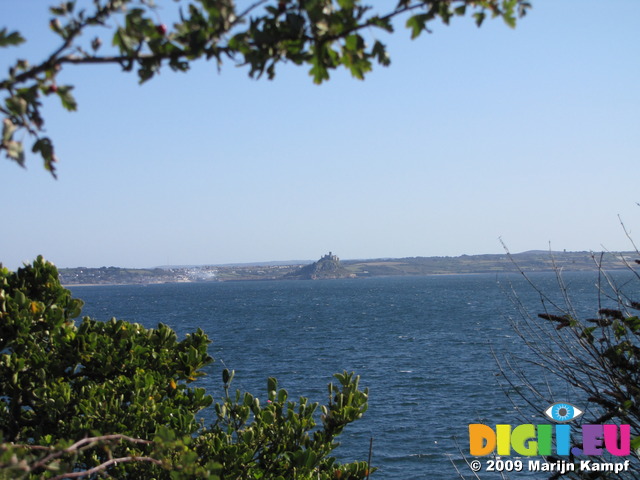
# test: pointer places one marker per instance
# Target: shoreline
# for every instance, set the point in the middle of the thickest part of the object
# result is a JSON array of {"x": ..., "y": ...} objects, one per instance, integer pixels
[{"x": 355, "y": 278}]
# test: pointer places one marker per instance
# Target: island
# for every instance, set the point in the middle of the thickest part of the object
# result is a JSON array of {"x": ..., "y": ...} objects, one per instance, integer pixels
[{"x": 328, "y": 266}]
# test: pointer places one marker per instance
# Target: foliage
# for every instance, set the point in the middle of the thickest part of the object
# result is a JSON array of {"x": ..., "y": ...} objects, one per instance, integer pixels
[
  {"x": 323, "y": 34},
  {"x": 278, "y": 439},
  {"x": 115, "y": 396},
  {"x": 59, "y": 461},
  {"x": 60, "y": 381},
  {"x": 597, "y": 356}
]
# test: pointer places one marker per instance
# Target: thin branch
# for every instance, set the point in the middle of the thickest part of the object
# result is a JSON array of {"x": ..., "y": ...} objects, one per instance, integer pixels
[
  {"x": 628, "y": 235},
  {"x": 105, "y": 465},
  {"x": 248, "y": 10},
  {"x": 86, "y": 443}
]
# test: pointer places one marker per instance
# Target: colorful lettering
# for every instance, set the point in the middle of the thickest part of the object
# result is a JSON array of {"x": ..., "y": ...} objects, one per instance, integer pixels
[{"x": 530, "y": 440}]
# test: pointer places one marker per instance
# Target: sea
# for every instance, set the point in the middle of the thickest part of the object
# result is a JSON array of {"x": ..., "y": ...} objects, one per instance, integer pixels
[{"x": 430, "y": 349}]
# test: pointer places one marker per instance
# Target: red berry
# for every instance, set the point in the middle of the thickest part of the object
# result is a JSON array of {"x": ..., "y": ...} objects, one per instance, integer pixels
[
  {"x": 162, "y": 29},
  {"x": 53, "y": 88}
]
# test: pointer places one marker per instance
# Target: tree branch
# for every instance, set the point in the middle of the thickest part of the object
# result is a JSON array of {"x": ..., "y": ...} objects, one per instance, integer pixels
[
  {"x": 85, "y": 443},
  {"x": 105, "y": 465}
]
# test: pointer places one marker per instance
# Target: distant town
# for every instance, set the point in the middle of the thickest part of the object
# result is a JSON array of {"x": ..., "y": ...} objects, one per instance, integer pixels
[{"x": 330, "y": 266}]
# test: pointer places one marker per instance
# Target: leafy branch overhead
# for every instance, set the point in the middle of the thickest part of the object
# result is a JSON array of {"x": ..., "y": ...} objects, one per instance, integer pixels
[{"x": 323, "y": 34}]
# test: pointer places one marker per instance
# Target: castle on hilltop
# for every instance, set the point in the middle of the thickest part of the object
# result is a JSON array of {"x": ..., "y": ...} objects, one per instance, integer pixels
[{"x": 330, "y": 256}]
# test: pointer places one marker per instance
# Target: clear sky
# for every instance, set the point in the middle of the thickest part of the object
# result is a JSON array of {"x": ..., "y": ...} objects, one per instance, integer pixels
[{"x": 529, "y": 134}]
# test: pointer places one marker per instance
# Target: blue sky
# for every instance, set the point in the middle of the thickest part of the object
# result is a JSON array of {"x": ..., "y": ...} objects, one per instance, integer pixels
[{"x": 529, "y": 134}]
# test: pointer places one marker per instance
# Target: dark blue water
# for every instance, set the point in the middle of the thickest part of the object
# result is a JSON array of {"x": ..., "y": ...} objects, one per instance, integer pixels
[{"x": 424, "y": 346}]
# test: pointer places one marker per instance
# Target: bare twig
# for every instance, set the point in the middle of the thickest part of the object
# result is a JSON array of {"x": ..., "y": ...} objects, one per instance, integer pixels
[{"x": 105, "y": 465}]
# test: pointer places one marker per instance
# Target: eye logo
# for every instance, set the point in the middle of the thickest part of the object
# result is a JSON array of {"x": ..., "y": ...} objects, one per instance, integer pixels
[
  {"x": 529, "y": 440},
  {"x": 563, "y": 412}
]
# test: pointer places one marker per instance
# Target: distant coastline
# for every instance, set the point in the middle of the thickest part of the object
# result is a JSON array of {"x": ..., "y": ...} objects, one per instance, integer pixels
[{"x": 329, "y": 266}]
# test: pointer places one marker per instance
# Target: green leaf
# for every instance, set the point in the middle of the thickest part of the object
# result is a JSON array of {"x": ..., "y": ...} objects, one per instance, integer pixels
[
  {"x": 479, "y": 18},
  {"x": 379, "y": 51},
  {"x": 353, "y": 42},
  {"x": 8, "y": 128},
  {"x": 384, "y": 23},
  {"x": 68, "y": 101},
  {"x": 15, "y": 151},
  {"x": 510, "y": 20},
  {"x": 16, "y": 105},
  {"x": 272, "y": 384},
  {"x": 44, "y": 146},
  {"x": 20, "y": 298},
  {"x": 346, "y": 4},
  {"x": 418, "y": 24},
  {"x": 319, "y": 73},
  {"x": 11, "y": 39}
]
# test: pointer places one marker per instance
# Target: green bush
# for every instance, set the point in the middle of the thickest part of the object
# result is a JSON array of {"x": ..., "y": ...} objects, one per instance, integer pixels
[{"x": 126, "y": 390}]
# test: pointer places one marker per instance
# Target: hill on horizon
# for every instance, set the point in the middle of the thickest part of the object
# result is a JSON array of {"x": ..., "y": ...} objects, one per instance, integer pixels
[{"x": 330, "y": 267}]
